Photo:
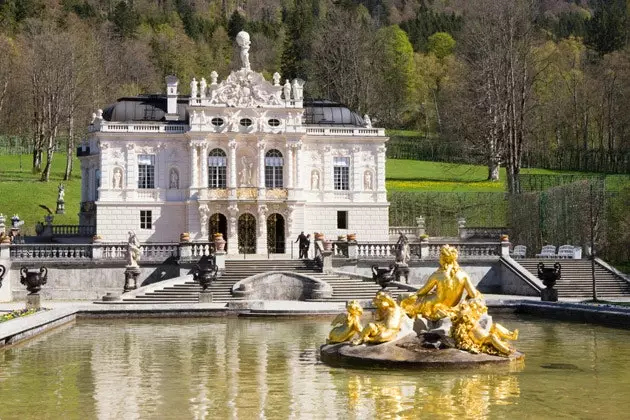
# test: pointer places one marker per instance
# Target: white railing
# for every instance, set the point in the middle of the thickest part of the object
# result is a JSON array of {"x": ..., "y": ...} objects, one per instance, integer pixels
[
  {"x": 405, "y": 230},
  {"x": 48, "y": 252},
  {"x": 202, "y": 250},
  {"x": 158, "y": 252},
  {"x": 332, "y": 131},
  {"x": 141, "y": 128},
  {"x": 116, "y": 252},
  {"x": 468, "y": 250},
  {"x": 376, "y": 250}
]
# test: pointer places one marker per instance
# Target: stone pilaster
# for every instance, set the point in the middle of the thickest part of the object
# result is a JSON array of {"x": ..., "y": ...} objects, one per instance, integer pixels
[
  {"x": 232, "y": 230},
  {"x": 231, "y": 182},
  {"x": 261, "y": 169}
]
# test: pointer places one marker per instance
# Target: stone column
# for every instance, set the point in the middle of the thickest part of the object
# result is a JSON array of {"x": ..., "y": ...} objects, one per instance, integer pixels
[
  {"x": 380, "y": 174},
  {"x": 298, "y": 160},
  {"x": 261, "y": 239},
  {"x": 203, "y": 162},
  {"x": 232, "y": 230},
  {"x": 261, "y": 169},
  {"x": 327, "y": 173},
  {"x": 193, "y": 165},
  {"x": 231, "y": 181},
  {"x": 289, "y": 161},
  {"x": 356, "y": 170}
]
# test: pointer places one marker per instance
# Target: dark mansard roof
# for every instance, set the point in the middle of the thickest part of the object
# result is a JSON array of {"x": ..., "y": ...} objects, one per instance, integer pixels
[
  {"x": 143, "y": 108},
  {"x": 152, "y": 108},
  {"x": 324, "y": 112}
]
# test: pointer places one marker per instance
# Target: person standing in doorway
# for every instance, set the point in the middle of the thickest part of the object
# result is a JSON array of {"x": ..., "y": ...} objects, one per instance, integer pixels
[{"x": 302, "y": 239}]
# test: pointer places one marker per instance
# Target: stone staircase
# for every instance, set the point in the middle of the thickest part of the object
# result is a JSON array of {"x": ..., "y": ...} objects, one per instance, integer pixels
[
  {"x": 344, "y": 287},
  {"x": 576, "y": 280}
]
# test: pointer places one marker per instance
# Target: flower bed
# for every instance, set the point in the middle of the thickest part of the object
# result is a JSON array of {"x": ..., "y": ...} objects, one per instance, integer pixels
[{"x": 16, "y": 314}]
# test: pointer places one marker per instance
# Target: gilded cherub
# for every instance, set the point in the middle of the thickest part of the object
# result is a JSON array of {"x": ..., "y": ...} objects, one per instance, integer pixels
[
  {"x": 347, "y": 325},
  {"x": 388, "y": 321},
  {"x": 443, "y": 291},
  {"x": 471, "y": 336}
]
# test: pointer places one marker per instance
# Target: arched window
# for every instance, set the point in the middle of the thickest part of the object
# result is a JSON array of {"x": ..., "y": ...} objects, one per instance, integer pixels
[
  {"x": 217, "y": 172},
  {"x": 273, "y": 169}
]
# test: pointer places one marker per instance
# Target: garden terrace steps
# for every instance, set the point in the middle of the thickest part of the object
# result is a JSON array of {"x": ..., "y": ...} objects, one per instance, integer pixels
[
  {"x": 576, "y": 280},
  {"x": 344, "y": 287}
]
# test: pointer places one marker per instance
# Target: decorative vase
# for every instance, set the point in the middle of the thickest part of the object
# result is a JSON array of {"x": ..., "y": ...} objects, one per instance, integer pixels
[
  {"x": 184, "y": 237},
  {"x": 342, "y": 238},
  {"x": 219, "y": 242},
  {"x": 319, "y": 236},
  {"x": 33, "y": 280},
  {"x": 505, "y": 238},
  {"x": 352, "y": 237}
]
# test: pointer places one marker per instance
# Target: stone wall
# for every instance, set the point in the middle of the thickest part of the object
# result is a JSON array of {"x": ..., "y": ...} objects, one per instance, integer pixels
[
  {"x": 82, "y": 281},
  {"x": 369, "y": 221},
  {"x": 281, "y": 286},
  {"x": 115, "y": 221},
  {"x": 485, "y": 275}
]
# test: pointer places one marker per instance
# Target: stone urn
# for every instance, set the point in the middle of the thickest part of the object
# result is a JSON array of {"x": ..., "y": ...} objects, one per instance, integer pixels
[
  {"x": 352, "y": 237},
  {"x": 184, "y": 237},
  {"x": 549, "y": 276},
  {"x": 205, "y": 273},
  {"x": 33, "y": 279},
  {"x": 219, "y": 242}
]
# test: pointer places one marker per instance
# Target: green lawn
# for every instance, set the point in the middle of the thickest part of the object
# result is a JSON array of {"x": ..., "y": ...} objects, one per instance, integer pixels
[
  {"x": 415, "y": 175},
  {"x": 21, "y": 191}
]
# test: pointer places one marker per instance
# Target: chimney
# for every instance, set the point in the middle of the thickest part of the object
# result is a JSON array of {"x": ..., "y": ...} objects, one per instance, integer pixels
[{"x": 171, "y": 98}]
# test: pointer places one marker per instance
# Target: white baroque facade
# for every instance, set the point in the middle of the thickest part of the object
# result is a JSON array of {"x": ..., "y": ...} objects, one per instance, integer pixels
[{"x": 245, "y": 157}]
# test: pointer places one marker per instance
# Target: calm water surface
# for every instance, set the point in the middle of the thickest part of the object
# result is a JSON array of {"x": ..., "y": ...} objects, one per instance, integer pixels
[{"x": 251, "y": 368}]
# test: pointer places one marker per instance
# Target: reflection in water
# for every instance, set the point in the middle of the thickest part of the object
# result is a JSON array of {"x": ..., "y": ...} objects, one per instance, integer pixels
[{"x": 242, "y": 369}]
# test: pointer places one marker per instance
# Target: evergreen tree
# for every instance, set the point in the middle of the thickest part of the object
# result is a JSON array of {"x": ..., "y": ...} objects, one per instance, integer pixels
[{"x": 606, "y": 31}]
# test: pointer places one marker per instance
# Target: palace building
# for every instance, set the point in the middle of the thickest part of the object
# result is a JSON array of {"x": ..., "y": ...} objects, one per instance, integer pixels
[{"x": 246, "y": 157}]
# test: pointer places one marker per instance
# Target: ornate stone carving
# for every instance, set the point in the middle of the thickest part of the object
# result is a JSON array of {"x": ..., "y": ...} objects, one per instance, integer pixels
[
  {"x": 276, "y": 194},
  {"x": 242, "y": 39},
  {"x": 246, "y": 174},
  {"x": 218, "y": 194},
  {"x": 247, "y": 193},
  {"x": 203, "y": 85},
  {"x": 367, "y": 121},
  {"x": 173, "y": 179},
  {"x": 232, "y": 144},
  {"x": 315, "y": 185},
  {"x": 298, "y": 89},
  {"x": 246, "y": 88},
  {"x": 193, "y": 88}
]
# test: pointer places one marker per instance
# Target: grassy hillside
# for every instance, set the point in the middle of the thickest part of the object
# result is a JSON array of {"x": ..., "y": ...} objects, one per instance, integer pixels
[{"x": 21, "y": 191}]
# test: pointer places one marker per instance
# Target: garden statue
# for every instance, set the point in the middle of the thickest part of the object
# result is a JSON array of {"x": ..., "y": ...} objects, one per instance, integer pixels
[
  {"x": 346, "y": 325},
  {"x": 133, "y": 250},
  {"x": 62, "y": 193},
  {"x": 287, "y": 90},
  {"x": 389, "y": 320},
  {"x": 367, "y": 121},
  {"x": 403, "y": 254}
]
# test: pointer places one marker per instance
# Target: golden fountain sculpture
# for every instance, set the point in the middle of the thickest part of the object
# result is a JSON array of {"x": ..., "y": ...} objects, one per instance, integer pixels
[
  {"x": 389, "y": 319},
  {"x": 448, "y": 301},
  {"x": 347, "y": 325},
  {"x": 443, "y": 297}
]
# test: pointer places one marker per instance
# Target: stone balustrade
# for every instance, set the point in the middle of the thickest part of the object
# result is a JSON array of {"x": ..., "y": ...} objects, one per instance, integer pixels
[
  {"x": 467, "y": 250},
  {"x": 139, "y": 128},
  {"x": 419, "y": 250},
  {"x": 113, "y": 252},
  {"x": 74, "y": 230},
  {"x": 333, "y": 131}
]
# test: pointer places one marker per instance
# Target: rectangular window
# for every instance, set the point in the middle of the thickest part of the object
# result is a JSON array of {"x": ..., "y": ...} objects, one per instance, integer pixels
[
  {"x": 342, "y": 173},
  {"x": 146, "y": 219},
  {"x": 342, "y": 220},
  {"x": 217, "y": 172},
  {"x": 146, "y": 171}
]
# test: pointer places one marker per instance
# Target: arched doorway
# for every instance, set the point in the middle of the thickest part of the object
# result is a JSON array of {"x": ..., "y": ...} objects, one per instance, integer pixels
[
  {"x": 246, "y": 234},
  {"x": 275, "y": 234},
  {"x": 218, "y": 224}
]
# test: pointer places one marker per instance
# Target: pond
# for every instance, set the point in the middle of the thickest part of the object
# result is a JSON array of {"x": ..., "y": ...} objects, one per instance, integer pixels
[{"x": 229, "y": 368}]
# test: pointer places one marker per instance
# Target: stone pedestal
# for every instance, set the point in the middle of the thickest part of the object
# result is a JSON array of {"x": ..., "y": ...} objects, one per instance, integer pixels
[
  {"x": 219, "y": 260},
  {"x": 61, "y": 207},
  {"x": 402, "y": 272},
  {"x": 353, "y": 250},
  {"x": 131, "y": 278},
  {"x": 549, "y": 295},
  {"x": 33, "y": 301},
  {"x": 205, "y": 297}
]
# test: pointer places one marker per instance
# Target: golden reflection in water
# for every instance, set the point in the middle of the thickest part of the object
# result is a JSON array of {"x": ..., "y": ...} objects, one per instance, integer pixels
[{"x": 397, "y": 396}]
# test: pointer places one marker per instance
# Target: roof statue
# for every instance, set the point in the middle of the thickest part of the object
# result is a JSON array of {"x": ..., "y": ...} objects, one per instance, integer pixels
[{"x": 244, "y": 87}]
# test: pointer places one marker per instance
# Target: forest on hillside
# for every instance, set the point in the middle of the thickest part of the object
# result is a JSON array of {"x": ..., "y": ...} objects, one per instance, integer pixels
[{"x": 498, "y": 77}]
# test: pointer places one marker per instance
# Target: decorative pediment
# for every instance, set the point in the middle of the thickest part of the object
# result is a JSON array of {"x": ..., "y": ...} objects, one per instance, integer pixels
[{"x": 246, "y": 88}]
